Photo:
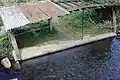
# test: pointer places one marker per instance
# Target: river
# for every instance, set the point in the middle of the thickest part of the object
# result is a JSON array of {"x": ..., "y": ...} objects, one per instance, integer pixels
[{"x": 96, "y": 61}]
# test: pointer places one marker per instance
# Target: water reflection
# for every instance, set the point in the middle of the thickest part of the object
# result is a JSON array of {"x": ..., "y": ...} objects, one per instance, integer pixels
[{"x": 95, "y": 61}]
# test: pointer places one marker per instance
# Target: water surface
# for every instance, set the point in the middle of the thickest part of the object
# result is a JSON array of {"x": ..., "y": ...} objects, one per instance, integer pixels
[{"x": 95, "y": 61}]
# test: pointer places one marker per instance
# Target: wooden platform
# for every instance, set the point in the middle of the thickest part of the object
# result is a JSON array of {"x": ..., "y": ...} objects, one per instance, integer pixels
[
  {"x": 74, "y": 6},
  {"x": 79, "y": 5}
]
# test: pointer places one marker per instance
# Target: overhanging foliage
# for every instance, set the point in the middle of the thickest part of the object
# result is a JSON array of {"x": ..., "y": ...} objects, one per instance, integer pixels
[{"x": 5, "y": 46}]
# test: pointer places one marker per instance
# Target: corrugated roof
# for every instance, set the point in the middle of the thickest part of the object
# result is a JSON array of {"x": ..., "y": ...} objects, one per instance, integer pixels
[
  {"x": 33, "y": 12},
  {"x": 13, "y": 17},
  {"x": 20, "y": 15},
  {"x": 52, "y": 9}
]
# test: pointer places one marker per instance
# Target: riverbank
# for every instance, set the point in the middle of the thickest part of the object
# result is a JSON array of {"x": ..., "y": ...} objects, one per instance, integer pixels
[{"x": 35, "y": 51}]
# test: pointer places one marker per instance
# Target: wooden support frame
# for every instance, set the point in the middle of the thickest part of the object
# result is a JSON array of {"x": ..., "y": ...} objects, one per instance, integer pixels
[
  {"x": 14, "y": 44},
  {"x": 114, "y": 19},
  {"x": 49, "y": 23},
  {"x": 82, "y": 28}
]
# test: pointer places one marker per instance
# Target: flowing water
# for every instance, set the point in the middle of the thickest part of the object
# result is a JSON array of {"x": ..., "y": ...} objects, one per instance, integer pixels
[{"x": 96, "y": 61}]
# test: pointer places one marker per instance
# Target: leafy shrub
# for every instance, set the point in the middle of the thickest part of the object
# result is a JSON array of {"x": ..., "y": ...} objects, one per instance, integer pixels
[
  {"x": 5, "y": 46},
  {"x": 33, "y": 34},
  {"x": 76, "y": 18}
]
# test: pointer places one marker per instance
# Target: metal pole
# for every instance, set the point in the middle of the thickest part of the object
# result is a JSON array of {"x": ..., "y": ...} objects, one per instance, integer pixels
[{"x": 82, "y": 23}]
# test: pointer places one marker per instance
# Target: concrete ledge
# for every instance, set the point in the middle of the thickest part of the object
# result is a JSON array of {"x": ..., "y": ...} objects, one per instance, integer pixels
[{"x": 36, "y": 51}]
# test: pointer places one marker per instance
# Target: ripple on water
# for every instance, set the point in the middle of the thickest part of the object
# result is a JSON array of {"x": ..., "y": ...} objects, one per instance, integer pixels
[{"x": 95, "y": 61}]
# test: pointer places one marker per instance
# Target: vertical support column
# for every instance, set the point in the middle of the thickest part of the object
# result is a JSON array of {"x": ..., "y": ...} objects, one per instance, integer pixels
[
  {"x": 82, "y": 24},
  {"x": 14, "y": 44},
  {"x": 114, "y": 20},
  {"x": 49, "y": 23}
]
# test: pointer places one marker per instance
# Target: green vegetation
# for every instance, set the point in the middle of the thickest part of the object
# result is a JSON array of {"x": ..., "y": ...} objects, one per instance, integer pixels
[
  {"x": 35, "y": 34},
  {"x": 40, "y": 32},
  {"x": 118, "y": 16},
  {"x": 5, "y": 46},
  {"x": 118, "y": 19},
  {"x": 1, "y": 22},
  {"x": 90, "y": 26},
  {"x": 7, "y": 2}
]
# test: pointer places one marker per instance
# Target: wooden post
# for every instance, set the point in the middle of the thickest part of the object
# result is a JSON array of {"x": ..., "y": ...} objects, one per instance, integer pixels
[
  {"x": 14, "y": 44},
  {"x": 49, "y": 23},
  {"x": 82, "y": 28},
  {"x": 114, "y": 20}
]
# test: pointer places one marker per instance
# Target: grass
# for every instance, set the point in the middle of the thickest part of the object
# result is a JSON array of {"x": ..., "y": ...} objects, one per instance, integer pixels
[
  {"x": 73, "y": 22},
  {"x": 33, "y": 34},
  {"x": 5, "y": 46},
  {"x": 35, "y": 38}
]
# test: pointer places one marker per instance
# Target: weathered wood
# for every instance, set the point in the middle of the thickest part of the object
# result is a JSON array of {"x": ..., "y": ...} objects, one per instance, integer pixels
[
  {"x": 75, "y": 7},
  {"x": 75, "y": 3},
  {"x": 79, "y": 3},
  {"x": 100, "y": 1},
  {"x": 14, "y": 44},
  {"x": 49, "y": 23},
  {"x": 67, "y": 7},
  {"x": 70, "y": 4},
  {"x": 114, "y": 20}
]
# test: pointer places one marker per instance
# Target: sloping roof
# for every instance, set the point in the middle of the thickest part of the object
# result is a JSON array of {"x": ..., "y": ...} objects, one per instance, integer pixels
[
  {"x": 42, "y": 10},
  {"x": 13, "y": 17},
  {"x": 22, "y": 14},
  {"x": 33, "y": 12},
  {"x": 52, "y": 9}
]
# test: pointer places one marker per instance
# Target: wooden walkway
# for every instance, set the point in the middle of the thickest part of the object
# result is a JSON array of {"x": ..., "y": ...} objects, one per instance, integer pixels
[
  {"x": 79, "y": 5},
  {"x": 76, "y": 6}
]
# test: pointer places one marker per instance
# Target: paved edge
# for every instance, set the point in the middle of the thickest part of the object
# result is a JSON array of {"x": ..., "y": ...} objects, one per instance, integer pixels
[{"x": 68, "y": 45}]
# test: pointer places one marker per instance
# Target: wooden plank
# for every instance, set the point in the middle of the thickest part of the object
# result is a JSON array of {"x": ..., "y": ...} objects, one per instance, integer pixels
[
  {"x": 75, "y": 3},
  {"x": 14, "y": 44},
  {"x": 114, "y": 20},
  {"x": 51, "y": 9},
  {"x": 100, "y": 1},
  {"x": 33, "y": 12},
  {"x": 85, "y": 5},
  {"x": 80, "y": 4},
  {"x": 67, "y": 7},
  {"x": 74, "y": 6}
]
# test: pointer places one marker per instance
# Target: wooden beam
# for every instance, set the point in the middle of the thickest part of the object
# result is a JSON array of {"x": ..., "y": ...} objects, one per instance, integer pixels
[
  {"x": 50, "y": 23},
  {"x": 14, "y": 44},
  {"x": 114, "y": 19}
]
